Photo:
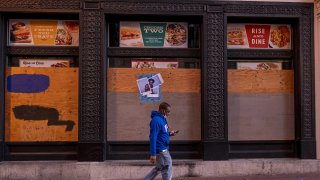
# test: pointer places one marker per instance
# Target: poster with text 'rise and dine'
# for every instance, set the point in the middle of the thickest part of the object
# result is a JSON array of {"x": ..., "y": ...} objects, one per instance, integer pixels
[{"x": 259, "y": 36}]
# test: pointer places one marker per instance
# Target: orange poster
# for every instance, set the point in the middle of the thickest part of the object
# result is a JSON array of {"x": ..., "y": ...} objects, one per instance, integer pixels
[
  {"x": 43, "y": 32},
  {"x": 25, "y": 32}
]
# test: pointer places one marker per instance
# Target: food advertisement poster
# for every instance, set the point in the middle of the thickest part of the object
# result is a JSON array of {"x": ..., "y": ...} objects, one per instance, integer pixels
[
  {"x": 154, "y": 34},
  {"x": 43, "y": 63},
  {"x": 260, "y": 36},
  {"x": 43, "y": 32},
  {"x": 171, "y": 64},
  {"x": 259, "y": 65},
  {"x": 149, "y": 86}
]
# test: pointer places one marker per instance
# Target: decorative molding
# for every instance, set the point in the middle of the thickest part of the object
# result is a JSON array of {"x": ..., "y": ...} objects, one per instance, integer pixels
[
  {"x": 91, "y": 5},
  {"x": 214, "y": 8},
  {"x": 215, "y": 80},
  {"x": 153, "y": 52},
  {"x": 91, "y": 122},
  {"x": 317, "y": 8},
  {"x": 268, "y": 10},
  {"x": 41, "y": 4},
  {"x": 145, "y": 7},
  {"x": 307, "y": 80},
  {"x": 42, "y": 51},
  {"x": 252, "y": 53}
]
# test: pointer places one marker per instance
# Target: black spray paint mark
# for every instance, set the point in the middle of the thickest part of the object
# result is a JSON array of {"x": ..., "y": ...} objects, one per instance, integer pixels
[{"x": 26, "y": 112}]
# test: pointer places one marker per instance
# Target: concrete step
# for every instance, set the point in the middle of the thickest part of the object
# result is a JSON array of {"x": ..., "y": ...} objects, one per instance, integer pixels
[{"x": 69, "y": 170}]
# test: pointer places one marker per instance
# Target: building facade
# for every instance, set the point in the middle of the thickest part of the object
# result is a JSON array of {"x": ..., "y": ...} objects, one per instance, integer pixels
[{"x": 241, "y": 77}]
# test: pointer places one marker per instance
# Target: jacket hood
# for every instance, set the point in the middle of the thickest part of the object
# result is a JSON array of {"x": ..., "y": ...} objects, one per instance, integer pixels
[{"x": 156, "y": 113}]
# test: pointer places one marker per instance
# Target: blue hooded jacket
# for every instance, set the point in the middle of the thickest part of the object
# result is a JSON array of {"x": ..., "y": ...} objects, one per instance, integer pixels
[{"x": 159, "y": 133}]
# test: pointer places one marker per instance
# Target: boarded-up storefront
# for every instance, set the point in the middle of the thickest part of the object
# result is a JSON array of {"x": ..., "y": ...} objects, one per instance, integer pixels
[{"x": 80, "y": 79}]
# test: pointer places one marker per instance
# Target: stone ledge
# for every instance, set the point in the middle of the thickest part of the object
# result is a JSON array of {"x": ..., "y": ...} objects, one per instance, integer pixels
[{"x": 35, "y": 170}]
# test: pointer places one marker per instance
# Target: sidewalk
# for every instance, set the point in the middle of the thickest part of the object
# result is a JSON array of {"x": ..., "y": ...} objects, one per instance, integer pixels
[{"x": 236, "y": 169}]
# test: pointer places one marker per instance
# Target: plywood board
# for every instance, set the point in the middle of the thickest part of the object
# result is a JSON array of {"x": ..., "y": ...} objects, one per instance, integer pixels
[
  {"x": 250, "y": 114},
  {"x": 175, "y": 80},
  {"x": 51, "y": 114},
  {"x": 128, "y": 119},
  {"x": 260, "y": 81}
]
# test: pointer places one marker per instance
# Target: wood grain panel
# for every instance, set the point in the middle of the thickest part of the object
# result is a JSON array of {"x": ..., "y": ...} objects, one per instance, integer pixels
[
  {"x": 260, "y": 81},
  {"x": 175, "y": 80},
  {"x": 128, "y": 118},
  {"x": 62, "y": 95},
  {"x": 250, "y": 114}
]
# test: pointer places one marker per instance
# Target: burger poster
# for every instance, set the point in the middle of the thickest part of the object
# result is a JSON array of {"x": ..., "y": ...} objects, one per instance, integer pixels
[
  {"x": 260, "y": 36},
  {"x": 154, "y": 34},
  {"x": 43, "y": 32}
]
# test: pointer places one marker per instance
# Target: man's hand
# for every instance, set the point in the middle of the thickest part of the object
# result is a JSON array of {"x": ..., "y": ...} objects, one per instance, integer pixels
[
  {"x": 172, "y": 133},
  {"x": 153, "y": 159}
]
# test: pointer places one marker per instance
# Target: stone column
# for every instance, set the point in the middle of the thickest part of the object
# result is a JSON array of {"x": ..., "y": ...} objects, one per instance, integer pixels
[
  {"x": 215, "y": 140},
  {"x": 92, "y": 106}
]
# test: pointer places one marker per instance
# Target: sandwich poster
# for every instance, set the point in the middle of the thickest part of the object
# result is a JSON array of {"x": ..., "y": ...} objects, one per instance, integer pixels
[
  {"x": 43, "y": 32},
  {"x": 172, "y": 64},
  {"x": 44, "y": 63},
  {"x": 154, "y": 34},
  {"x": 259, "y": 65},
  {"x": 259, "y": 36}
]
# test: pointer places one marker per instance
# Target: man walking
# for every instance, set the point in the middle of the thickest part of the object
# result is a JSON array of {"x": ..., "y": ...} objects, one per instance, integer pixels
[{"x": 159, "y": 143}]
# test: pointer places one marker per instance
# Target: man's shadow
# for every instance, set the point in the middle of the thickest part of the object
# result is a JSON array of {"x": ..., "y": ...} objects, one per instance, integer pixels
[{"x": 26, "y": 112}]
